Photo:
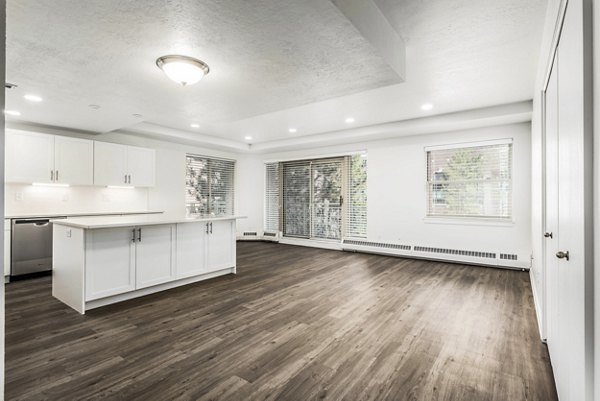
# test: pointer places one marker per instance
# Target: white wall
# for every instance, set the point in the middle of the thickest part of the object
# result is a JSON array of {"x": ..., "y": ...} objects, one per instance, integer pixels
[{"x": 397, "y": 192}]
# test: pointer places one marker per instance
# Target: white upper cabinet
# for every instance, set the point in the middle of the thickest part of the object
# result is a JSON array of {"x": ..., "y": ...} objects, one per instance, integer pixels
[
  {"x": 33, "y": 157},
  {"x": 29, "y": 157},
  {"x": 110, "y": 164},
  {"x": 73, "y": 161},
  {"x": 116, "y": 164},
  {"x": 140, "y": 166}
]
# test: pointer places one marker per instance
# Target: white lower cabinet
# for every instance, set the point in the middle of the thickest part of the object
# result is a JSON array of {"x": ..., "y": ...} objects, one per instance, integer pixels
[
  {"x": 220, "y": 246},
  {"x": 121, "y": 260},
  {"x": 191, "y": 249},
  {"x": 154, "y": 255},
  {"x": 110, "y": 264}
]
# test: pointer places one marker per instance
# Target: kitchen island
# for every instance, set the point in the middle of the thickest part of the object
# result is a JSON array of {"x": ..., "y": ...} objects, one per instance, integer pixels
[{"x": 103, "y": 260}]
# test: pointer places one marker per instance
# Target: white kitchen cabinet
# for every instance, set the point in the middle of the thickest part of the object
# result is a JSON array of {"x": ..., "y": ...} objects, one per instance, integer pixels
[
  {"x": 29, "y": 157},
  {"x": 110, "y": 164},
  {"x": 220, "y": 245},
  {"x": 41, "y": 158},
  {"x": 116, "y": 164},
  {"x": 110, "y": 262},
  {"x": 141, "y": 166},
  {"x": 73, "y": 161},
  {"x": 191, "y": 249},
  {"x": 154, "y": 255}
]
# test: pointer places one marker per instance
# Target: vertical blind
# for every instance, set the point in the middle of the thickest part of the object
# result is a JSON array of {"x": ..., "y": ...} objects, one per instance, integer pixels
[
  {"x": 473, "y": 181},
  {"x": 209, "y": 185},
  {"x": 319, "y": 198}
]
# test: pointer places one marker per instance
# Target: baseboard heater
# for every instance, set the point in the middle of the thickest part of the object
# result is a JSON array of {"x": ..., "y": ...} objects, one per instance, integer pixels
[
  {"x": 487, "y": 258},
  {"x": 254, "y": 236}
]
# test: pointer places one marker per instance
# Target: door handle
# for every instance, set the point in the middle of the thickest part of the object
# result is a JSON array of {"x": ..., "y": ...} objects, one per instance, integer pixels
[
  {"x": 562, "y": 255},
  {"x": 211, "y": 227},
  {"x": 139, "y": 235},
  {"x": 548, "y": 234}
]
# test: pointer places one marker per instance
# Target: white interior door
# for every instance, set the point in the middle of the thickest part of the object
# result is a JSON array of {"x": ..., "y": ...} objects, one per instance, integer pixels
[
  {"x": 570, "y": 338},
  {"x": 74, "y": 160},
  {"x": 29, "y": 157},
  {"x": 553, "y": 318},
  {"x": 110, "y": 164},
  {"x": 141, "y": 166},
  {"x": 154, "y": 256}
]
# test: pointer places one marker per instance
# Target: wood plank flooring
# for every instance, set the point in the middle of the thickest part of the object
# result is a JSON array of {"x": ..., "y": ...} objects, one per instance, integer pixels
[{"x": 294, "y": 324}]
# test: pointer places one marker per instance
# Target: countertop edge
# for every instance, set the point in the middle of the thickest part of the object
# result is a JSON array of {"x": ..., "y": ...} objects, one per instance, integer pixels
[{"x": 130, "y": 223}]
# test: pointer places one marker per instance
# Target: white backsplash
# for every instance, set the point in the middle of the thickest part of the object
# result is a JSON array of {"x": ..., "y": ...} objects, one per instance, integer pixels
[{"x": 27, "y": 199}]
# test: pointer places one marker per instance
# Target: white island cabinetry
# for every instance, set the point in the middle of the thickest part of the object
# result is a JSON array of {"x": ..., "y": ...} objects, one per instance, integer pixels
[{"x": 99, "y": 261}]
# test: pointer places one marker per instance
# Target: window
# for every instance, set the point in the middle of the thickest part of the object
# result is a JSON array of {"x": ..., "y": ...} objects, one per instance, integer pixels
[
  {"x": 319, "y": 198},
  {"x": 470, "y": 181},
  {"x": 209, "y": 185}
]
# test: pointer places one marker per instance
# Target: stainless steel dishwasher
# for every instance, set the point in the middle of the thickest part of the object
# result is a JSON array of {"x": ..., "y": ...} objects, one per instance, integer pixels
[{"x": 31, "y": 246}]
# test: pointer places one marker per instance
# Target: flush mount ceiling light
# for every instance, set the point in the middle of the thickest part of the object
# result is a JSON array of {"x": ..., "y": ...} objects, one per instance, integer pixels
[{"x": 183, "y": 69}]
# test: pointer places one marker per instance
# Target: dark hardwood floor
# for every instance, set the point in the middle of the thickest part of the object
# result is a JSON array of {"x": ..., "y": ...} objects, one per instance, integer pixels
[{"x": 294, "y": 324}]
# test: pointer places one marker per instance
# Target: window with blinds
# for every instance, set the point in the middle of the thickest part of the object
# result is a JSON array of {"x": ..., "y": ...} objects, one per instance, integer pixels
[
  {"x": 209, "y": 185},
  {"x": 474, "y": 181},
  {"x": 319, "y": 198}
]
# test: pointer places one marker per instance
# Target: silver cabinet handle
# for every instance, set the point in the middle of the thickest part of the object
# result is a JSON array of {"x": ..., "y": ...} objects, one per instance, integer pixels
[
  {"x": 129, "y": 178},
  {"x": 207, "y": 228},
  {"x": 139, "y": 234},
  {"x": 133, "y": 235},
  {"x": 125, "y": 178},
  {"x": 562, "y": 255},
  {"x": 56, "y": 175},
  {"x": 51, "y": 175},
  {"x": 548, "y": 235},
  {"x": 211, "y": 227}
]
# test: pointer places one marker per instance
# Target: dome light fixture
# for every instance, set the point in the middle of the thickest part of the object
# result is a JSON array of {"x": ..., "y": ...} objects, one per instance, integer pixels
[{"x": 183, "y": 69}]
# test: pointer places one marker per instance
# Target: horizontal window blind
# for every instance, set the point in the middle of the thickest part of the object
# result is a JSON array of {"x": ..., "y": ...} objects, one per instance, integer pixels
[
  {"x": 209, "y": 185},
  {"x": 318, "y": 198},
  {"x": 272, "y": 198},
  {"x": 471, "y": 181},
  {"x": 356, "y": 222}
]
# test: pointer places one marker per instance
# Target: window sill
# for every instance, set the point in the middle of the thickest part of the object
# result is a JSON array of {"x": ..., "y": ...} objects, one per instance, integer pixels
[{"x": 468, "y": 221}]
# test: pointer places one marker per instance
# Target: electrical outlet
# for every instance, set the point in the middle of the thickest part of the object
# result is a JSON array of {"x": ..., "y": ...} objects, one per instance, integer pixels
[{"x": 19, "y": 196}]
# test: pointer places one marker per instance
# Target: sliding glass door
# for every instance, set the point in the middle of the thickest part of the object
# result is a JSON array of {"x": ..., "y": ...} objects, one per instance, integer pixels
[{"x": 312, "y": 198}]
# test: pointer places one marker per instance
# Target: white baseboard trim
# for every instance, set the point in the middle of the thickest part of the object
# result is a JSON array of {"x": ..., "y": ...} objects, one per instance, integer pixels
[
  {"x": 332, "y": 245},
  {"x": 537, "y": 306}
]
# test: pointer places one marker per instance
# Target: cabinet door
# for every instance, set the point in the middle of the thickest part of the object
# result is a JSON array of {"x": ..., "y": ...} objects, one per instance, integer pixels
[
  {"x": 73, "y": 161},
  {"x": 29, "y": 157},
  {"x": 191, "y": 249},
  {"x": 221, "y": 245},
  {"x": 154, "y": 255},
  {"x": 110, "y": 164},
  {"x": 110, "y": 262},
  {"x": 141, "y": 166}
]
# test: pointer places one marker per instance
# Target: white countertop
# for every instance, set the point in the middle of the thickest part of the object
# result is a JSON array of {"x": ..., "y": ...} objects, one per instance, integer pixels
[
  {"x": 78, "y": 214},
  {"x": 134, "y": 221}
]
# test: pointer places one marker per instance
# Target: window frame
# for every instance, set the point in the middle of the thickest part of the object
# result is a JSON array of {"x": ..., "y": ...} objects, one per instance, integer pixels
[{"x": 469, "y": 219}]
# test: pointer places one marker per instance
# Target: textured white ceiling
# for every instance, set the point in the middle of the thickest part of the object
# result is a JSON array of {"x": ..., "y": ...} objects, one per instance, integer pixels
[{"x": 274, "y": 63}]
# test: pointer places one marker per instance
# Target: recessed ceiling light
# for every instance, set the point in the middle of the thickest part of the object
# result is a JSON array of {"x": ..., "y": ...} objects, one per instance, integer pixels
[
  {"x": 293, "y": 130},
  {"x": 248, "y": 138},
  {"x": 33, "y": 98},
  {"x": 427, "y": 106},
  {"x": 93, "y": 106},
  {"x": 183, "y": 69},
  {"x": 195, "y": 125},
  {"x": 350, "y": 120},
  {"x": 12, "y": 112}
]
